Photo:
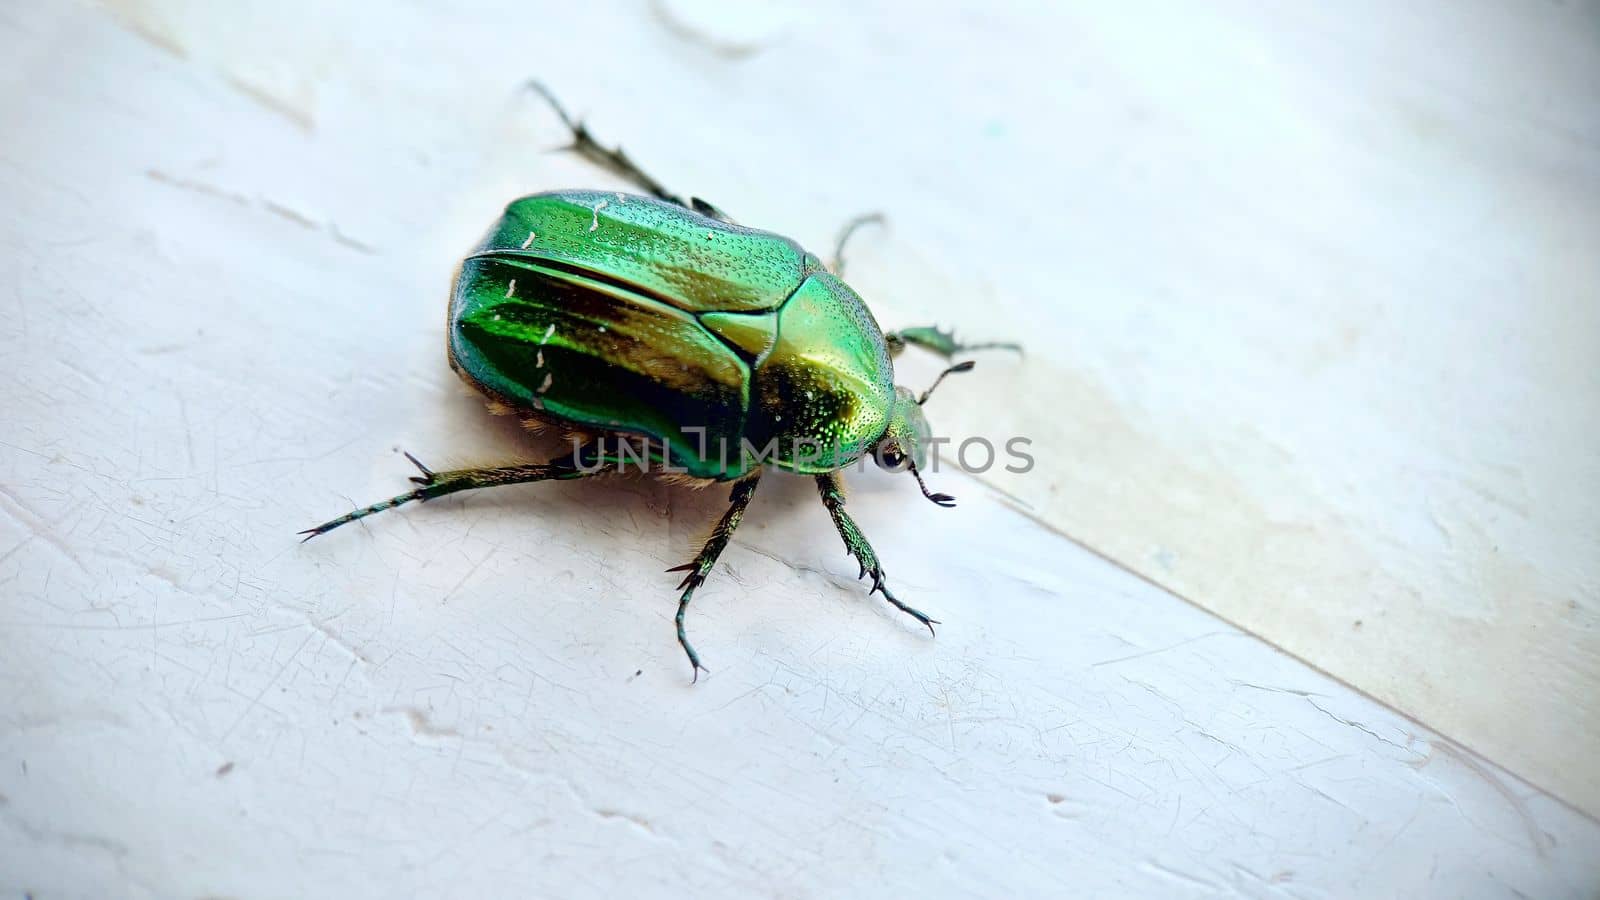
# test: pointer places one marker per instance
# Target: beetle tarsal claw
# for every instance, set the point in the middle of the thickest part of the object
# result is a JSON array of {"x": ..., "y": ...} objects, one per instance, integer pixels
[{"x": 911, "y": 611}]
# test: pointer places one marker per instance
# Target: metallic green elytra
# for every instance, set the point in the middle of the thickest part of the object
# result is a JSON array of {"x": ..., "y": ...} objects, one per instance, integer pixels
[
  {"x": 620, "y": 312},
  {"x": 659, "y": 328}
]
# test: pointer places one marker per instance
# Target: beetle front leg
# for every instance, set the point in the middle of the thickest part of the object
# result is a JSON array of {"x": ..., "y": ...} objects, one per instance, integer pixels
[
  {"x": 832, "y": 490},
  {"x": 939, "y": 341},
  {"x": 581, "y": 464},
  {"x": 700, "y": 567}
]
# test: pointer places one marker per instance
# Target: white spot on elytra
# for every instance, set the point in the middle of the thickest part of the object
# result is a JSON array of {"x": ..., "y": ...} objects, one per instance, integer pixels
[
  {"x": 528, "y": 241},
  {"x": 511, "y": 289},
  {"x": 709, "y": 235},
  {"x": 602, "y": 329},
  {"x": 621, "y": 197},
  {"x": 594, "y": 221}
]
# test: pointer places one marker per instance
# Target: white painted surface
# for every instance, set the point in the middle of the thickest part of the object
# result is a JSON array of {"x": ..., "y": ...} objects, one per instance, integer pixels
[
  {"x": 227, "y": 238},
  {"x": 1325, "y": 330}
]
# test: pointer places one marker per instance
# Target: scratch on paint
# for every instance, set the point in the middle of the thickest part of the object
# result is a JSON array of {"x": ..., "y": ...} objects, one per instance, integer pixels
[{"x": 1540, "y": 839}]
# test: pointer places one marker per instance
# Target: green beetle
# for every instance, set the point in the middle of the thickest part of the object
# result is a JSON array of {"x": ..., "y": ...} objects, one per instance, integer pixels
[{"x": 707, "y": 349}]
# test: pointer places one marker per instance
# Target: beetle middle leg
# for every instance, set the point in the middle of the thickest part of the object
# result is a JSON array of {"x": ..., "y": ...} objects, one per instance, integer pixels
[
  {"x": 832, "y": 489},
  {"x": 939, "y": 341},
  {"x": 701, "y": 566},
  {"x": 581, "y": 464}
]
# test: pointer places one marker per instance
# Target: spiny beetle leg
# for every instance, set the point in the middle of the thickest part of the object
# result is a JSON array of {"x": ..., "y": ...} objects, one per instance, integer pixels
[
  {"x": 428, "y": 476},
  {"x": 615, "y": 161},
  {"x": 701, "y": 566},
  {"x": 612, "y": 160},
  {"x": 832, "y": 491},
  {"x": 845, "y": 233},
  {"x": 433, "y": 484},
  {"x": 939, "y": 341}
]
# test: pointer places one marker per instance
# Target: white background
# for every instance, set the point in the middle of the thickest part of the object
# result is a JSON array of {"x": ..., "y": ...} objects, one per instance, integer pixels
[{"x": 1309, "y": 304}]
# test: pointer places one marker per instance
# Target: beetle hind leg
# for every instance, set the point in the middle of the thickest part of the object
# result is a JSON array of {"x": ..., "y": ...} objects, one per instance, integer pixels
[
  {"x": 832, "y": 490},
  {"x": 615, "y": 161},
  {"x": 431, "y": 484},
  {"x": 701, "y": 565}
]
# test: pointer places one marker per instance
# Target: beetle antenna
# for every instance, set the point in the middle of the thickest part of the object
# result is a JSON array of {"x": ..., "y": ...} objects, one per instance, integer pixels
[
  {"x": 958, "y": 367},
  {"x": 944, "y": 500}
]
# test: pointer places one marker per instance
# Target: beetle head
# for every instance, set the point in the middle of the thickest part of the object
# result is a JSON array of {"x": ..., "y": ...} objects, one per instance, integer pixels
[{"x": 904, "y": 444}]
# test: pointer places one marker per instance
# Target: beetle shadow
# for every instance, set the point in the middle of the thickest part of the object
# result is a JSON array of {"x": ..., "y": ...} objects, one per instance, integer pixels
[{"x": 623, "y": 532}]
